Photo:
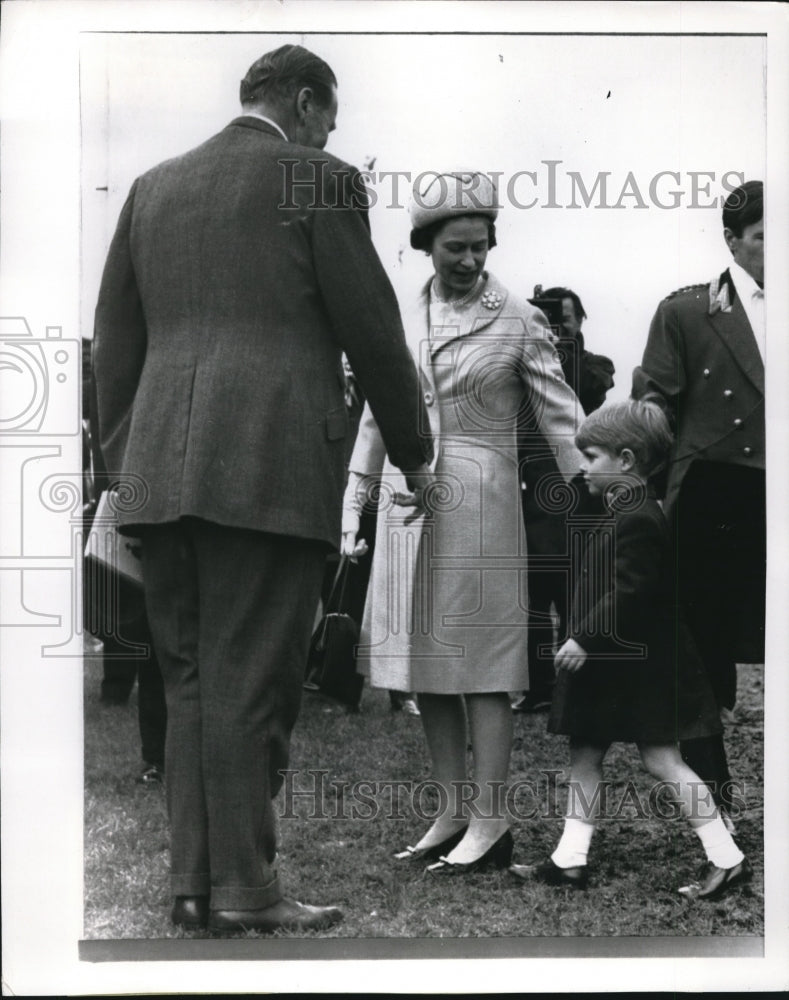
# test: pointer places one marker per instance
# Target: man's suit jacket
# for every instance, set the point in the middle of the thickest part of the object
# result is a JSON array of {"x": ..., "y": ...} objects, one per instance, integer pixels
[
  {"x": 238, "y": 274},
  {"x": 702, "y": 358}
]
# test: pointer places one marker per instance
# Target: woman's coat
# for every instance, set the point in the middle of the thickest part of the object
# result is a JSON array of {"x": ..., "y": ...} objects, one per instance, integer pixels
[{"x": 447, "y": 604}]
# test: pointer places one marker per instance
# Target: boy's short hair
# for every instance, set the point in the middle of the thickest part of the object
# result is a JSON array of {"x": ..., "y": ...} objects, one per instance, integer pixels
[{"x": 637, "y": 424}]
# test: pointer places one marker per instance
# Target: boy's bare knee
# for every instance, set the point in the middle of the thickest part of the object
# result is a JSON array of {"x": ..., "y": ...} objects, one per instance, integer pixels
[{"x": 657, "y": 760}]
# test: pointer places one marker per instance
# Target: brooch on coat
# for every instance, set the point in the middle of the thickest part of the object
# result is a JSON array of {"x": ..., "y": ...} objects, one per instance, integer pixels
[{"x": 491, "y": 300}]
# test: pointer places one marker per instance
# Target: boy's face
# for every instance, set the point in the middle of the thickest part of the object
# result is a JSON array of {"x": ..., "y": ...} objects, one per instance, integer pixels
[{"x": 602, "y": 469}]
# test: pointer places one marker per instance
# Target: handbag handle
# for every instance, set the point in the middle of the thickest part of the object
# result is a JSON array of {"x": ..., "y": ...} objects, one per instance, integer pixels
[{"x": 342, "y": 571}]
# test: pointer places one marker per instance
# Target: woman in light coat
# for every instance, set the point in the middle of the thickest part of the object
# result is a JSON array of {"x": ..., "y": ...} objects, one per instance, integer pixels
[{"x": 447, "y": 605}]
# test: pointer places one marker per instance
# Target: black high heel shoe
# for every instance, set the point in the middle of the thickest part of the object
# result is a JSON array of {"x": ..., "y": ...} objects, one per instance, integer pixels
[
  {"x": 499, "y": 855},
  {"x": 431, "y": 853}
]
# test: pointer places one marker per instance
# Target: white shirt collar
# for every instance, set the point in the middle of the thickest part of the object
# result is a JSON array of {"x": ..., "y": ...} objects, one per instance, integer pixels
[
  {"x": 269, "y": 121},
  {"x": 752, "y": 299},
  {"x": 743, "y": 282}
]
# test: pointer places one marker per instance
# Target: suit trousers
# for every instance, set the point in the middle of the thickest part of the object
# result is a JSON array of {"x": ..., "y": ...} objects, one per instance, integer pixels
[
  {"x": 120, "y": 673},
  {"x": 231, "y": 612},
  {"x": 719, "y": 530}
]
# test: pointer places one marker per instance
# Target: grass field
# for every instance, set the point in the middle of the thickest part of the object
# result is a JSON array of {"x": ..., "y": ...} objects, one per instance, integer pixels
[{"x": 337, "y": 848}]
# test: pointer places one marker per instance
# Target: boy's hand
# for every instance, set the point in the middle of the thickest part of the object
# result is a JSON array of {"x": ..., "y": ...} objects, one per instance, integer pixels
[{"x": 570, "y": 657}]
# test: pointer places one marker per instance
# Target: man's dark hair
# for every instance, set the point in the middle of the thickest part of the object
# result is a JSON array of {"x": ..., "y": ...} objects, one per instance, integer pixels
[
  {"x": 743, "y": 207},
  {"x": 566, "y": 293},
  {"x": 283, "y": 72},
  {"x": 422, "y": 238}
]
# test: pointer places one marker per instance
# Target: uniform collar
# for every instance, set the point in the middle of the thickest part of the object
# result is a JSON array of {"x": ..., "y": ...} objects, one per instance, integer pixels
[{"x": 743, "y": 281}]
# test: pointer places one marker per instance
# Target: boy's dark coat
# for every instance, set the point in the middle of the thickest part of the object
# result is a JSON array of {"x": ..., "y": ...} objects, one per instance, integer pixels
[{"x": 643, "y": 679}]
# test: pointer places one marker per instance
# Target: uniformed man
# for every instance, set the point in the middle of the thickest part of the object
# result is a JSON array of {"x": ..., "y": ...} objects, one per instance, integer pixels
[{"x": 705, "y": 357}]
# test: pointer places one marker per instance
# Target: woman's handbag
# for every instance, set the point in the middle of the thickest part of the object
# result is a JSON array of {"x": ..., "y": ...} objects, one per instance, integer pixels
[{"x": 331, "y": 668}]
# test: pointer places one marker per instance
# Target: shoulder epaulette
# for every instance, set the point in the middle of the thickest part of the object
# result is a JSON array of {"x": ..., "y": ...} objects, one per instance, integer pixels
[{"x": 686, "y": 288}]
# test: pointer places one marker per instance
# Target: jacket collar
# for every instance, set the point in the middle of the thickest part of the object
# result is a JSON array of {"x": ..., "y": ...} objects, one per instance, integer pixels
[
  {"x": 250, "y": 121},
  {"x": 475, "y": 317},
  {"x": 728, "y": 319}
]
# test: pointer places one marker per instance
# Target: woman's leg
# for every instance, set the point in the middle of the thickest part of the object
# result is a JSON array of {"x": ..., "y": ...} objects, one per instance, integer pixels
[
  {"x": 490, "y": 725},
  {"x": 444, "y": 722}
]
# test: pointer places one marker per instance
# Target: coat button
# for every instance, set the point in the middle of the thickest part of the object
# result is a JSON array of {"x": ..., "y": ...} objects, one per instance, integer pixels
[
  {"x": 728, "y": 393},
  {"x": 429, "y": 398},
  {"x": 706, "y": 373},
  {"x": 747, "y": 451},
  {"x": 738, "y": 422}
]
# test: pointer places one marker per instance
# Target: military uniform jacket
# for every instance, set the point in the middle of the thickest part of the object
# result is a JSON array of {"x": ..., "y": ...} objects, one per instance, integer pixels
[
  {"x": 238, "y": 274},
  {"x": 702, "y": 358}
]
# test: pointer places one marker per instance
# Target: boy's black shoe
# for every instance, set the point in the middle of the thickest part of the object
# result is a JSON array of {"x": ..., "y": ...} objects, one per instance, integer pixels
[
  {"x": 552, "y": 874},
  {"x": 718, "y": 881}
]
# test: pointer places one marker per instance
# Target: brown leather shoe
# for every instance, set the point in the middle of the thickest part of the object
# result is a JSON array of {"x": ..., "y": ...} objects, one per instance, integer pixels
[
  {"x": 286, "y": 914},
  {"x": 190, "y": 911}
]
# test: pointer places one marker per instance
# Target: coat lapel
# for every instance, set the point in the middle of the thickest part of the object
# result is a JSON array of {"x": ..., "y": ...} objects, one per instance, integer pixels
[
  {"x": 480, "y": 314},
  {"x": 732, "y": 326},
  {"x": 416, "y": 320}
]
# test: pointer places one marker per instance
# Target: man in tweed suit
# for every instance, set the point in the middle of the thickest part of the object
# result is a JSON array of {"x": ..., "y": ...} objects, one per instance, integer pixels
[
  {"x": 705, "y": 357},
  {"x": 238, "y": 274}
]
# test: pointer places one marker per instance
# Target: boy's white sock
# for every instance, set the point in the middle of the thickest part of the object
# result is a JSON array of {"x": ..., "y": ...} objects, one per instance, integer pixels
[
  {"x": 718, "y": 844},
  {"x": 573, "y": 846}
]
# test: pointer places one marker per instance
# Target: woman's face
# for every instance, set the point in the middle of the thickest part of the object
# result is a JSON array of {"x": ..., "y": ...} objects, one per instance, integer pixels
[{"x": 458, "y": 253}]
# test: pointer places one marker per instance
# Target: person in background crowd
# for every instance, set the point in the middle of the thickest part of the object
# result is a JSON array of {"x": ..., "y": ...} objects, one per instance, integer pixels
[
  {"x": 590, "y": 376},
  {"x": 705, "y": 358},
  {"x": 446, "y": 607},
  {"x": 116, "y": 625},
  {"x": 359, "y": 571},
  {"x": 238, "y": 274}
]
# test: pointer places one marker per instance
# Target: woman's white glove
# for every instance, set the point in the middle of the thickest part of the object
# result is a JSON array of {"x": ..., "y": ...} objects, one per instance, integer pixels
[{"x": 353, "y": 501}]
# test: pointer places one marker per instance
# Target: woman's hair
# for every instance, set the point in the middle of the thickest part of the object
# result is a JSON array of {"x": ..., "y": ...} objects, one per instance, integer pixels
[
  {"x": 422, "y": 239},
  {"x": 637, "y": 424}
]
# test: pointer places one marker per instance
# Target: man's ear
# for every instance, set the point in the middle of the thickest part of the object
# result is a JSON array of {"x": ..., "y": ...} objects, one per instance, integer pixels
[
  {"x": 730, "y": 238},
  {"x": 305, "y": 99},
  {"x": 627, "y": 460}
]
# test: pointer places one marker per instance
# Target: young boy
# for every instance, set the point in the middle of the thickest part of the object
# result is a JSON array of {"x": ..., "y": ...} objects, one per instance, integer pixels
[{"x": 629, "y": 671}]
